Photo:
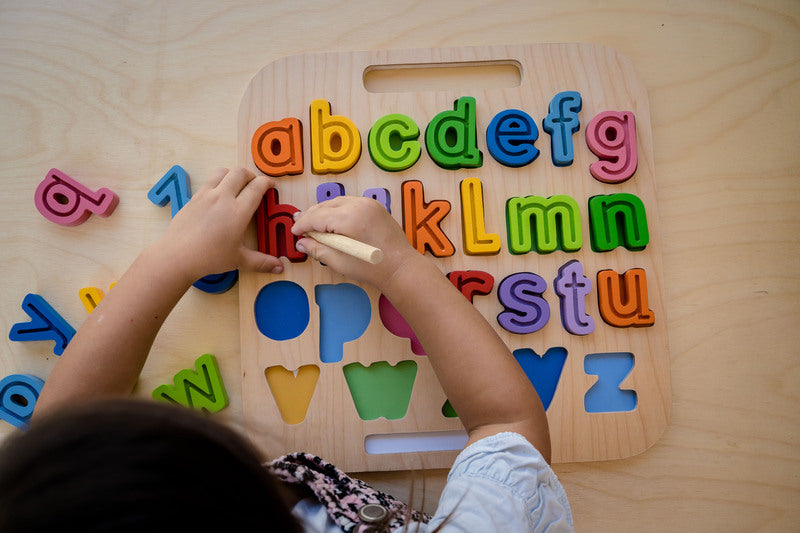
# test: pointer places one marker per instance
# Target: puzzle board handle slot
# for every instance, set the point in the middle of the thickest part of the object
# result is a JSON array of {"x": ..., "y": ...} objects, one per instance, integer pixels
[{"x": 440, "y": 76}]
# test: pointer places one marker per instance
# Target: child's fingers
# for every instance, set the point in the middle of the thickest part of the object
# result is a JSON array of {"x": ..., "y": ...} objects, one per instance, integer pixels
[
  {"x": 217, "y": 175},
  {"x": 326, "y": 216},
  {"x": 253, "y": 192},
  {"x": 259, "y": 262},
  {"x": 236, "y": 180},
  {"x": 317, "y": 250}
]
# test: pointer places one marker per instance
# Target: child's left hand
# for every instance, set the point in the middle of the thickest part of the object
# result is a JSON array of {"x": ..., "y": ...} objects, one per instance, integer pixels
[{"x": 207, "y": 235}]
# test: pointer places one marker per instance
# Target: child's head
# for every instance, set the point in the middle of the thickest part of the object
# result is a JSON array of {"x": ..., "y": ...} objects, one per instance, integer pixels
[{"x": 127, "y": 465}]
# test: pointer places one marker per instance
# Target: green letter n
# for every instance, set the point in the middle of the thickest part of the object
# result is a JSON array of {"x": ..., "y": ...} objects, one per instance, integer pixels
[{"x": 617, "y": 220}]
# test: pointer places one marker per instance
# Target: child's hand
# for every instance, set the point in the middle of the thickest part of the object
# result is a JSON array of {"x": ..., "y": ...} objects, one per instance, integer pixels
[
  {"x": 206, "y": 236},
  {"x": 362, "y": 219}
]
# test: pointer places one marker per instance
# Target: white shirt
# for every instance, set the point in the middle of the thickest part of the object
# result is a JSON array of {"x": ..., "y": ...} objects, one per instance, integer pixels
[{"x": 499, "y": 483}]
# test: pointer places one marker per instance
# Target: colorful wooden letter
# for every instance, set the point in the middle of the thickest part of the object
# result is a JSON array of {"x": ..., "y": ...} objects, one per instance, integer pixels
[
  {"x": 172, "y": 188},
  {"x": 345, "y": 313},
  {"x": 277, "y": 147},
  {"x": 611, "y": 369},
  {"x": 274, "y": 223},
  {"x": 18, "y": 395},
  {"x": 381, "y": 390},
  {"x": 217, "y": 283},
  {"x": 476, "y": 240},
  {"x": 281, "y": 310},
  {"x": 205, "y": 380},
  {"x": 90, "y": 297},
  {"x": 329, "y": 191},
  {"x": 452, "y": 138},
  {"x": 381, "y": 195},
  {"x": 292, "y": 390},
  {"x": 561, "y": 122},
  {"x": 393, "y": 143},
  {"x": 67, "y": 202},
  {"x": 510, "y": 137},
  {"x": 556, "y": 219},
  {"x": 617, "y": 220},
  {"x": 335, "y": 141},
  {"x": 623, "y": 298},
  {"x": 471, "y": 282},
  {"x": 525, "y": 310},
  {"x": 611, "y": 136},
  {"x": 421, "y": 221},
  {"x": 45, "y": 324},
  {"x": 572, "y": 288}
]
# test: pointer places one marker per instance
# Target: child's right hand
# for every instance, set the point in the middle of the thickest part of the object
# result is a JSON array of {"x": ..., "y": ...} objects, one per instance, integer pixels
[{"x": 362, "y": 219}]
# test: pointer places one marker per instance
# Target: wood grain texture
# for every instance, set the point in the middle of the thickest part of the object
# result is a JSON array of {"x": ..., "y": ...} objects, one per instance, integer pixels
[{"x": 115, "y": 93}]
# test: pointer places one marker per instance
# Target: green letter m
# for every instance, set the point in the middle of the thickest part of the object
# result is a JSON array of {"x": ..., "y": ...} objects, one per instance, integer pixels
[{"x": 556, "y": 220}]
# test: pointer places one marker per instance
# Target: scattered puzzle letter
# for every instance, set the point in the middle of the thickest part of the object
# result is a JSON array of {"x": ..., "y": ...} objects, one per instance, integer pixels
[
  {"x": 18, "y": 395},
  {"x": 201, "y": 388},
  {"x": 65, "y": 201},
  {"x": 45, "y": 324}
]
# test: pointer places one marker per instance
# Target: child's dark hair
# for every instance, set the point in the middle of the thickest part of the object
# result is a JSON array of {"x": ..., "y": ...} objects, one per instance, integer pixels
[{"x": 128, "y": 465}]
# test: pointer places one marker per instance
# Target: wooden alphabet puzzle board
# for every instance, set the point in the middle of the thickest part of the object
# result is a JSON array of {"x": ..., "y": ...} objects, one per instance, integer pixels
[{"x": 555, "y": 240}]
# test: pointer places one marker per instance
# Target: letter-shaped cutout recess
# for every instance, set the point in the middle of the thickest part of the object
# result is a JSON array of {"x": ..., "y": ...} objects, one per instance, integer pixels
[
  {"x": 277, "y": 147},
  {"x": 393, "y": 143},
  {"x": 611, "y": 136},
  {"x": 572, "y": 288},
  {"x": 274, "y": 223},
  {"x": 556, "y": 221},
  {"x": 394, "y": 322},
  {"x": 543, "y": 371},
  {"x": 201, "y": 388},
  {"x": 381, "y": 390},
  {"x": 345, "y": 313},
  {"x": 45, "y": 324},
  {"x": 476, "y": 240},
  {"x": 292, "y": 390},
  {"x": 452, "y": 138},
  {"x": 622, "y": 299},
  {"x": 281, "y": 310},
  {"x": 617, "y": 220},
  {"x": 335, "y": 140},
  {"x": 611, "y": 369},
  {"x": 561, "y": 122},
  {"x": 421, "y": 221}
]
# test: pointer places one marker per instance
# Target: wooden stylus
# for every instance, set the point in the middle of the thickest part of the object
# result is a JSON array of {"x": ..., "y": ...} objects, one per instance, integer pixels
[{"x": 349, "y": 246}]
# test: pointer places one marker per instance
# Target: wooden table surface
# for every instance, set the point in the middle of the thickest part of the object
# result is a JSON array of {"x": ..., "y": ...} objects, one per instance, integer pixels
[{"x": 115, "y": 93}]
